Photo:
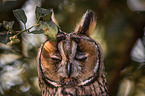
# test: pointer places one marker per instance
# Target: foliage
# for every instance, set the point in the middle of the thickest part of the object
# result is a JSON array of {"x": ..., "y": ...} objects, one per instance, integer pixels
[{"x": 43, "y": 16}]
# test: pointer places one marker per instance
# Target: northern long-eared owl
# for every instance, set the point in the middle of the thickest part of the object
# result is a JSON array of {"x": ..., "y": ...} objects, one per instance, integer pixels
[{"x": 73, "y": 65}]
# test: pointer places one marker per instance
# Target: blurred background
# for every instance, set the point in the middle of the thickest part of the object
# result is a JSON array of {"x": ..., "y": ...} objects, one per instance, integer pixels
[{"x": 120, "y": 31}]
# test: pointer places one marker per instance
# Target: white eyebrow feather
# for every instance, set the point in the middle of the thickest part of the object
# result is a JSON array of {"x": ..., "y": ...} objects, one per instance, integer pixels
[{"x": 73, "y": 50}]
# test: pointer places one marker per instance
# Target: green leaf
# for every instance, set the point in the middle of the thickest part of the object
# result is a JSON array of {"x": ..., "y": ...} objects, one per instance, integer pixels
[
  {"x": 45, "y": 14},
  {"x": 8, "y": 25},
  {"x": 50, "y": 29},
  {"x": 37, "y": 31},
  {"x": 20, "y": 15},
  {"x": 47, "y": 17}
]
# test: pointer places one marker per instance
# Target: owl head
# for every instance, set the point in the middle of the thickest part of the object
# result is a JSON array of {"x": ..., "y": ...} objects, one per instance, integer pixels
[{"x": 74, "y": 59}]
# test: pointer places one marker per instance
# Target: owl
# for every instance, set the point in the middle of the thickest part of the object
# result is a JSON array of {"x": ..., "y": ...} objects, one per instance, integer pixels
[{"x": 73, "y": 65}]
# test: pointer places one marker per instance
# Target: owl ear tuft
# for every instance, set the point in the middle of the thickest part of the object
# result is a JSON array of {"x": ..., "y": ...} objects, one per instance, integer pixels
[
  {"x": 53, "y": 18},
  {"x": 87, "y": 23}
]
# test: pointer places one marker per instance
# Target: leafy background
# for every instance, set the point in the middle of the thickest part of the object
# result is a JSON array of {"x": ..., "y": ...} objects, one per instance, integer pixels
[{"x": 120, "y": 31}]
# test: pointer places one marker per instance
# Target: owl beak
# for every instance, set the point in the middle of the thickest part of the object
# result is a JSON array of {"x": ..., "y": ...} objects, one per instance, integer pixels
[{"x": 68, "y": 69}]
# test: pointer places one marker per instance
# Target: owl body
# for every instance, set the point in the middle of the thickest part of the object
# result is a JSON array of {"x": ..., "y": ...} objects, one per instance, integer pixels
[{"x": 72, "y": 65}]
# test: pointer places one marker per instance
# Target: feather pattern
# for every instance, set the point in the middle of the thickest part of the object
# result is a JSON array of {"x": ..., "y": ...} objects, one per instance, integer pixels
[{"x": 73, "y": 64}]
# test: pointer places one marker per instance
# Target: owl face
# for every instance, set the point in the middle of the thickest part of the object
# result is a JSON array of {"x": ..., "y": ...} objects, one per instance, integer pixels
[
  {"x": 73, "y": 59},
  {"x": 70, "y": 61}
]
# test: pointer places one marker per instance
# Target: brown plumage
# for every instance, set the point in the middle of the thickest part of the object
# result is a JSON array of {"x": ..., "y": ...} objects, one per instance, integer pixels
[{"x": 73, "y": 65}]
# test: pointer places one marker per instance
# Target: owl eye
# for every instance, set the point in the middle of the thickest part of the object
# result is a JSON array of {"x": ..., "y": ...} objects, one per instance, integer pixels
[
  {"x": 55, "y": 58},
  {"x": 81, "y": 56}
]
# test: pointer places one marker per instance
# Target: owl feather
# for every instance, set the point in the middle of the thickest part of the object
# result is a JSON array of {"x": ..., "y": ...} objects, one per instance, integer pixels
[{"x": 73, "y": 65}]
